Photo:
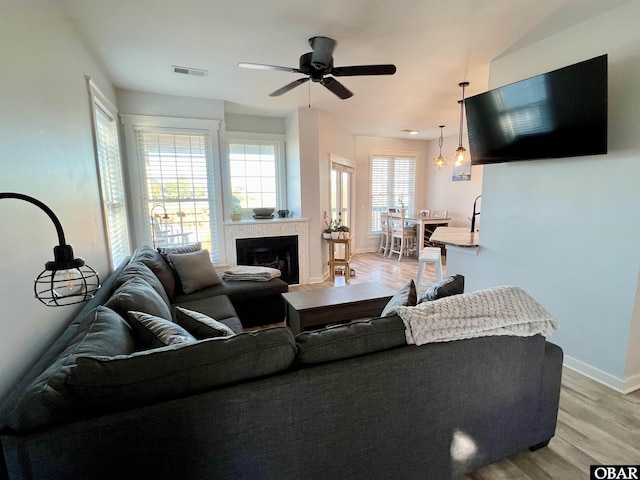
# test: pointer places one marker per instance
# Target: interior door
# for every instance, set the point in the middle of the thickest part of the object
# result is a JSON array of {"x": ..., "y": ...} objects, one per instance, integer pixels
[
  {"x": 342, "y": 186},
  {"x": 341, "y": 192}
]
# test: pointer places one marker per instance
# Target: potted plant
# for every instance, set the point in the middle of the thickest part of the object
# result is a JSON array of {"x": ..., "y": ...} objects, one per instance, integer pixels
[
  {"x": 236, "y": 213},
  {"x": 335, "y": 229},
  {"x": 345, "y": 231},
  {"x": 326, "y": 233}
]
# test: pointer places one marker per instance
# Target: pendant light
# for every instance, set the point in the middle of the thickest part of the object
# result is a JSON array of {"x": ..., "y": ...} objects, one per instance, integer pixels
[
  {"x": 440, "y": 161},
  {"x": 460, "y": 151}
]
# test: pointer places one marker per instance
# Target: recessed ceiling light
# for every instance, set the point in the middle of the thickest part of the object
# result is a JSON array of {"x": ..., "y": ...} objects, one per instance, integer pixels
[{"x": 411, "y": 132}]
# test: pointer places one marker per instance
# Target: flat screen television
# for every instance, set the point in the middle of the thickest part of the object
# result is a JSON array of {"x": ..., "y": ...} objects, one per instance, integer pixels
[{"x": 558, "y": 114}]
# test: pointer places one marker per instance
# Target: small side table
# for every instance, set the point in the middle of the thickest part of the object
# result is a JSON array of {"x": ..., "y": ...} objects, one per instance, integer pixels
[{"x": 339, "y": 262}]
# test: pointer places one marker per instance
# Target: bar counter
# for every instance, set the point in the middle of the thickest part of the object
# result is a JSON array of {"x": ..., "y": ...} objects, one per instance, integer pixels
[{"x": 455, "y": 236}]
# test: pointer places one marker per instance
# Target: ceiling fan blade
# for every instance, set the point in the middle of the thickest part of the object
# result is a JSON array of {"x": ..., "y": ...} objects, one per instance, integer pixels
[
  {"x": 336, "y": 87},
  {"x": 289, "y": 86},
  {"x": 363, "y": 70},
  {"x": 322, "y": 51},
  {"x": 260, "y": 66}
]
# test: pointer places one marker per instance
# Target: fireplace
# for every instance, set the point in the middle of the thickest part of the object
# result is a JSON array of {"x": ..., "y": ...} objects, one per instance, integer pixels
[{"x": 275, "y": 252}]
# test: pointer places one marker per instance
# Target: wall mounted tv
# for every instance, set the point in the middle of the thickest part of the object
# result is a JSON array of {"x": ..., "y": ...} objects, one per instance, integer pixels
[{"x": 558, "y": 114}]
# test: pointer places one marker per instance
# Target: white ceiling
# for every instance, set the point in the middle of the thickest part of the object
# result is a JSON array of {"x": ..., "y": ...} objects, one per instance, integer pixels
[{"x": 435, "y": 44}]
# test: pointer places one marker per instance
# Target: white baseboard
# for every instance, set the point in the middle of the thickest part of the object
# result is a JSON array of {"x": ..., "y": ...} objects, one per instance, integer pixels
[{"x": 619, "y": 385}]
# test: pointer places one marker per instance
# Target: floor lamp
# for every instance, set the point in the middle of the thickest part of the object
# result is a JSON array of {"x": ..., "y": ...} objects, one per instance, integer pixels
[{"x": 65, "y": 280}]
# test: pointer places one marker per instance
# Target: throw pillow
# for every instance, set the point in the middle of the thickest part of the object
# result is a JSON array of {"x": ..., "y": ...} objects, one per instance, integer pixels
[
  {"x": 405, "y": 297},
  {"x": 178, "y": 370},
  {"x": 201, "y": 325},
  {"x": 47, "y": 401},
  {"x": 190, "y": 248},
  {"x": 452, "y": 285},
  {"x": 195, "y": 270},
  {"x": 166, "y": 251},
  {"x": 157, "y": 332}
]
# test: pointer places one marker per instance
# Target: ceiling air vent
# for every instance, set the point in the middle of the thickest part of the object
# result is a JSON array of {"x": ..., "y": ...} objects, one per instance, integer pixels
[{"x": 198, "y": 72}]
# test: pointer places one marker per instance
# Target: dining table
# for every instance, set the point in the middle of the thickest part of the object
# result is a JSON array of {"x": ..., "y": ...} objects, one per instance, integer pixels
[{"x": 421, "y": 222}]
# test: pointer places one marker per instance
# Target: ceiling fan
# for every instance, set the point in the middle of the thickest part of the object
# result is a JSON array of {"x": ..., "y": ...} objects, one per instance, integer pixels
[{"x": 316, "y": 65}]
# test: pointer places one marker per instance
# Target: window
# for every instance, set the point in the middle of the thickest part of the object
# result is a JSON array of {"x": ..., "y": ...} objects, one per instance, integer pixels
[
  {"x": 109, "y": 163},
  {"x": 179, "y": 187},
  {"x": 174, "y": 172},
  {"x": 256, "y": 173},
  {"x": 393, "y": 185}
]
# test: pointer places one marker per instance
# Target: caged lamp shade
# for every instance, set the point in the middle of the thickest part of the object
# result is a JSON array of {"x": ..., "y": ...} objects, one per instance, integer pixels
[{"x": 66, "y": 280}]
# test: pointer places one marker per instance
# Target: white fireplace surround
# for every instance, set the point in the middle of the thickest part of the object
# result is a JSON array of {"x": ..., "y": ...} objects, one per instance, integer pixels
[{"x": 277, "y": 227}]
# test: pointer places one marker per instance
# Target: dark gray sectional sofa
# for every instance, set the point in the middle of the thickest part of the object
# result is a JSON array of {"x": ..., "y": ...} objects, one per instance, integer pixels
[{"x": 353, "y": 401}]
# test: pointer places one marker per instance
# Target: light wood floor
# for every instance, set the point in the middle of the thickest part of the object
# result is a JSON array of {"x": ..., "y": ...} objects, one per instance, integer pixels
[{"x": 596, "y": 425}]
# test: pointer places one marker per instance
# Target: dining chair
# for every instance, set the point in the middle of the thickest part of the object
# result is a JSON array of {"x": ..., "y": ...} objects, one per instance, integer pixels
[
  {"x": 429, "y": 229},
  {"x": 403, "y": 238},
  {"x": 384, "y": 233}
]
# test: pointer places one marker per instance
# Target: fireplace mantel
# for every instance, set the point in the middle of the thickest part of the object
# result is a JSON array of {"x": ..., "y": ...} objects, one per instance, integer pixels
[{"x": 270, "y": 228}]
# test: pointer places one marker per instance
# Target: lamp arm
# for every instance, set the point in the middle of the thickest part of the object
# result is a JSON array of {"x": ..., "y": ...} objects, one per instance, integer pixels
[{"x": 43, "y": 207}]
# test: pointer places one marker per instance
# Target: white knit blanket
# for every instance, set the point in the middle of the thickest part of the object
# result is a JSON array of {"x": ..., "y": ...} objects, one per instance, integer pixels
[
  {"x": 505, "y": 310},
  {"x": 251, "y": 273}
]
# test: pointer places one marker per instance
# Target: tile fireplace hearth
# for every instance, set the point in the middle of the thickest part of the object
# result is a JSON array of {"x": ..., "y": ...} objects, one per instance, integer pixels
[{"x": 267, "y": 229}]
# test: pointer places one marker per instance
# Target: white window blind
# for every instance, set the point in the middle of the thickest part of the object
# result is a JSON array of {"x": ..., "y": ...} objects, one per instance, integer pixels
[
  {"x": 393, "y": 185},
  {"x": 111, "y": 179},
  {"x": 179, "y": 187}
]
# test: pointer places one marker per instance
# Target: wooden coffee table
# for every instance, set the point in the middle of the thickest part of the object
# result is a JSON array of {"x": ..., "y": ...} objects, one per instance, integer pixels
[{"x": 329, "y": 305}]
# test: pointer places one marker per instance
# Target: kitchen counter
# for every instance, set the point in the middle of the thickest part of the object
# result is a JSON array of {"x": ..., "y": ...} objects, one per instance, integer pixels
[{"x": 455, "y": 236}]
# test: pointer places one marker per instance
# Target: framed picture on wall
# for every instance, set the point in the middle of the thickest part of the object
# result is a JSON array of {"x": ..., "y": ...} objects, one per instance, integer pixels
[{"x": 461, "y": 173}]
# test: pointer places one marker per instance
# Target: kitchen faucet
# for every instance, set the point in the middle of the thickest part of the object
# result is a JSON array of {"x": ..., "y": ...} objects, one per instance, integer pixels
[{"x": 474, "y": 215}]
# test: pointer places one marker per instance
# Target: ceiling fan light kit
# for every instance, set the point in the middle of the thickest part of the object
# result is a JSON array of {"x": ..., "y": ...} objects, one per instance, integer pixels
[{"x": 318, "y": 64}]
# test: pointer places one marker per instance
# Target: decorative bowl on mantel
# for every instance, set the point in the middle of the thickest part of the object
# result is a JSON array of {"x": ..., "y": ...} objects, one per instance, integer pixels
[{"x": 263, "y": 212}]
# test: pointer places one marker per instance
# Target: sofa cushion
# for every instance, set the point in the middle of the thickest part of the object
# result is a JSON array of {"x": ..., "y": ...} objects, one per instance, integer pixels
[
  {"x": 136, "y": 294},
  {"x": 452, "y": 285},
  {"x": 140, "y": 270},
  {"x": 195, "y": 270},
  {"x": 405, "y": 297},
  {"x": 350, "y": 340},
  {"x": 218, "y": 307},
  {"x": 158, "y": 265},
  {"x": 178, "y": 370},
  {"x": 201, "y": 325},
  {"x": 156, "y": 332},
  {"x": 47, "y": 400}
]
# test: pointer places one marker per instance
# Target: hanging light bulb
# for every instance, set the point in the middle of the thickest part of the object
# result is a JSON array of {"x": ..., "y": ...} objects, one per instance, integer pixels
[
  {"x": 460, "y": 151},
  {"x": 440, "y": 161}
]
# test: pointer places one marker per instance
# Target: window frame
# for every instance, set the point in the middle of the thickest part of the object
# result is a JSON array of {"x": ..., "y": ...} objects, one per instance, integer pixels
[
  {"x": 120, "y": 249},
  {"x": 392, "y": 155},
  {"x": 136, "y": 170},
  {"x": 250, "y": 138}
]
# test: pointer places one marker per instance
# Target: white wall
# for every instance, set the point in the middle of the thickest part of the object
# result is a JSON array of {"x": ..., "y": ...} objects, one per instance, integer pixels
[
  {"x": 46, "y": 151},
  {"x": 445, "y": 194},
  {"x": 567, "y": 230},
  {"x": 143, "y": 103},
  {"x": 254, "y": 123}
]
